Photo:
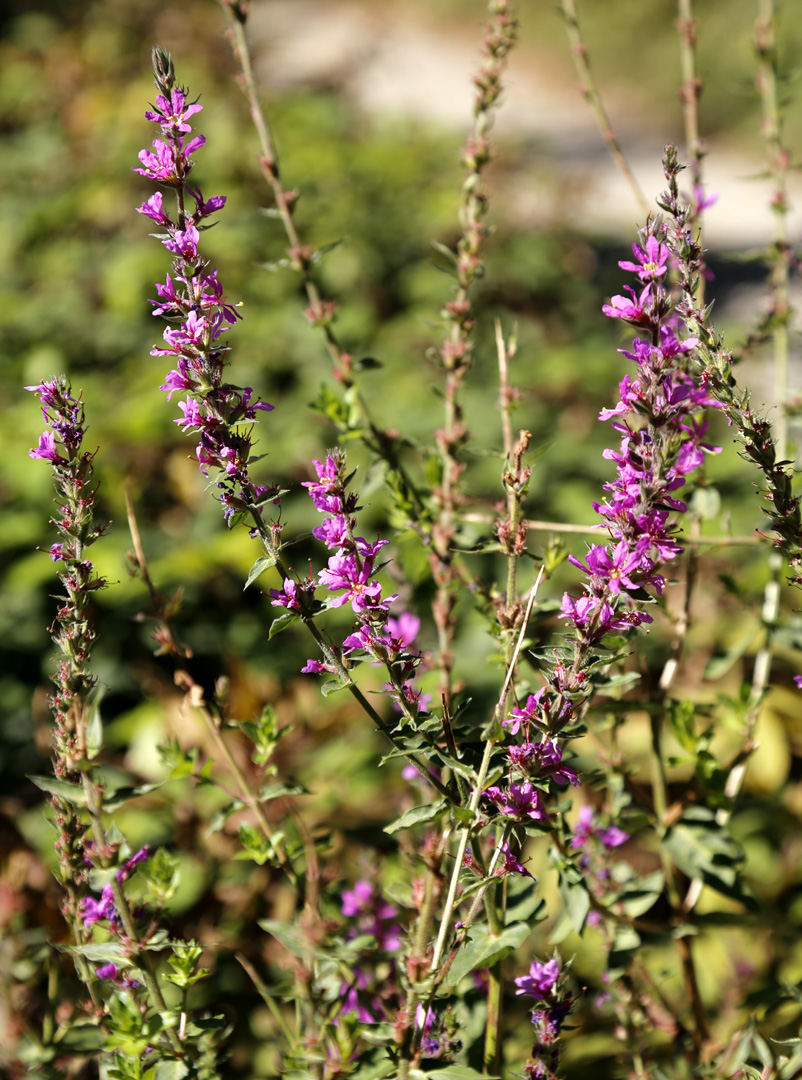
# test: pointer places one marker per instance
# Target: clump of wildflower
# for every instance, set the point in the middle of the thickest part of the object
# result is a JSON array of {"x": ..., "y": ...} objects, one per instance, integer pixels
[
  {"x": 365, "y": 997},
  {"x": 372, "y": 915},
  {"x": 192, "y": 302},
  {"x": 585, "y": 831},
  {"x": 104, "y": 910},
  {"x": 378, "y": 637},
  {"x": 662, "y": 433}
]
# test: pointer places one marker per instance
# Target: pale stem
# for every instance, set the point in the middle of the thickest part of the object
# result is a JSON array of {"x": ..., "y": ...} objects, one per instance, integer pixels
[
  {"x": 590, "y": 92},
  {"x": 479, "y": 788}
]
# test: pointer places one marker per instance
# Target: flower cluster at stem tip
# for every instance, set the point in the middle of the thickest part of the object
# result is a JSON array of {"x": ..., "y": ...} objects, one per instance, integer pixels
[
  {"x": 379, "y": 638},
  {"x": 72, "y": 468},
  {"x": 192, "y": 302},
  {"x": 659, "y": 417}
]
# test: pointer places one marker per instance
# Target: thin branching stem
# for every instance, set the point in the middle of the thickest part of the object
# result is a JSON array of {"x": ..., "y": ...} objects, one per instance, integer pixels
[{"x": 590, "y": 92}]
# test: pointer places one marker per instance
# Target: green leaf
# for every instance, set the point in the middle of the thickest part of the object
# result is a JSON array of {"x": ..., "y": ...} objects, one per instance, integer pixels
[
  {"x": 418, "y": 815},
  {"x": 281, "y": 623},
  {"x": 122, "y": 795},
  {"x": 331, "y": 686},
  {"x": 258, "y": 568},
  {"x": 705, "y": 503},
  {"x": 702, "y": 848},
  {"x": 638, "y": 901},
  {"x": 485, "y": 949},
  {"x": 325, "y": 249},
  {"x": 94, "y": 726},
  {"x": 170, "y": 1070},
  {"x": 449, "y": 254},
  {"x": 625, "y": 942},
  {"x": 255, "y": 843},
  {"x": 79, "y": 1038},
  {"x": 718, "y": 666},
  {"x": 288, "y": 936},
  {"x": 681, "y": 719},
  {"x": 71, "y": 793},
  {"x": 275, "y": 791},
  {"x": 577, "y": 902},
  {"x": 103, "y": 952}
]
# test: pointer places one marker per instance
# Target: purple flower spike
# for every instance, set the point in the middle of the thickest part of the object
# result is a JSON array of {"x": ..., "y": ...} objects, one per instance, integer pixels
[{"x": 193, "y": 302}]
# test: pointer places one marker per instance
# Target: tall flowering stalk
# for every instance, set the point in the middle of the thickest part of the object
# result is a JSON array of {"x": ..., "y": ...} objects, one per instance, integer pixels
[
  {"x": 455, "y": 353},
  {"x": 61, "y": 445},
  {"x": 192, "y": 302},
  {"x": 710, "y": 362},
  {"x": 75, "y": 730},
  {"x": 662, "y": 441},
  {"x": 94, "y": 859},
  {"x": 219, "y": 413}
]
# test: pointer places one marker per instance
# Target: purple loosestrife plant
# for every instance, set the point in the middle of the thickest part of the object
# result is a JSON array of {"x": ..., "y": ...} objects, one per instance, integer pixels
[
  {"x": 351, "y": 573},
  {"x": 61, "y": 445},
  {"x": 514, "y": 776},
  {"x": 661, "y": 443},
  {"x": 220, "y": 414},
  {"x": 76, "y": 732},
  {"x": 94, "y": 859},
  {"x": 223, "y": 414}
]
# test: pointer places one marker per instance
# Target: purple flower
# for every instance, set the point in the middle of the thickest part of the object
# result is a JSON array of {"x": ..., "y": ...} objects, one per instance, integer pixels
[
  {"x": 292, "y": 594},
  {"x": 652, "y": 261},
  {"x": 586, "y": 613},
  {"x": 512, "y": 864},
  {"x": 528, "y": 713},
  {"x": 540, "y": 981},
  {"x": 700, "y": 201},
  {"x": 193, "y": 416},
  {"x": 632, "y": 309},
  {"x": 158, "y": 166},
  {"x": 169, "y": 302},
  {"x": 543, "y": 759},
  {"x": 404, "y": 628},
  {"x": 211, "y": 206},
  {"x": 185, "y": 244},
  {"x": 798, "y": 681},
  {"x": 47, "y": 450},
  {"x": 102, "y": 910},
  {"x": 521, "y": 801},
  {"x": 615, "y": 568},
  {"x": 177, "y": 380},
  {"x": 334, "y": 532},
  {"x": 152, "y": 208},
  {"x": 107, "y": 971},
  {"x": 173, "y": 113},
  {"x": 373, "y": 914},
  {"x": 127, "y": 868},
  {"x": 346, "y": 571},
  {"x": 611, "y": 837}
]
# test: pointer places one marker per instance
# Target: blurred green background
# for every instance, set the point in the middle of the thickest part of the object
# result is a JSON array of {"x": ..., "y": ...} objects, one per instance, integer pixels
[{"x": 76, "y": 268}]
